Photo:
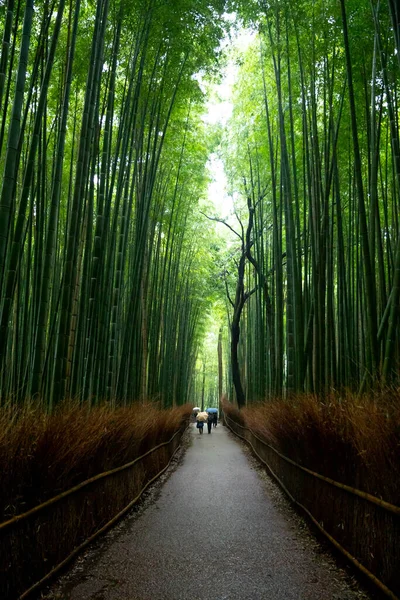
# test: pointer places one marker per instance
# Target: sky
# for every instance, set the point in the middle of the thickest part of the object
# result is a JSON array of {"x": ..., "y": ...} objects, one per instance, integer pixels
[{"x": 219, "y": 109}]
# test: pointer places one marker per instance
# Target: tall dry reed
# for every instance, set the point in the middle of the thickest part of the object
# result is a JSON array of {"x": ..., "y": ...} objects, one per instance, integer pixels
[
  {"x": 353, "y": 440},
  {"x": 42, "y": 455}
]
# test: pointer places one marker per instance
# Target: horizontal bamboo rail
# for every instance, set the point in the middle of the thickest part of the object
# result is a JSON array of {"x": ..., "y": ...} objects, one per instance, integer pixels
[
  {"x": 386, "y": 506},
  {"x": 99, "y": 532},
  {"x": 369, "y": 497},
  {"x": 36, "y": 509},
  {"x": 53, "y": 533}
]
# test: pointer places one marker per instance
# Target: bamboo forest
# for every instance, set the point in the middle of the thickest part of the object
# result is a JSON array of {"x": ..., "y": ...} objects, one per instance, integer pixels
[{"x": 199, "y": 207}]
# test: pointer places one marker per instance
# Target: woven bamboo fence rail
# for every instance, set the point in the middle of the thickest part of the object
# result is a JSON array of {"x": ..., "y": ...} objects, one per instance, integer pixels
[
  {"x": 364, "y": 528},
  {"x": 36, "y": 545}
]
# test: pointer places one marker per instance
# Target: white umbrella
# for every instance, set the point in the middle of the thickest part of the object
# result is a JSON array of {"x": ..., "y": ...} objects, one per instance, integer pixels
[{"x": 196, "y": 408}]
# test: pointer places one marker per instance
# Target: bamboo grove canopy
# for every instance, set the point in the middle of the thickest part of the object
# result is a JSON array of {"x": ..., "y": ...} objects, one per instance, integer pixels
[
  {"x": 312, "y": 149},
  {"x": 102, "y": 157},
  {"x": 106, "y": 264}
]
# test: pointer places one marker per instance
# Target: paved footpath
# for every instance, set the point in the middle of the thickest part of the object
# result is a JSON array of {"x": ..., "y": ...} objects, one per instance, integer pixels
[{"x": 213, "y": 533}]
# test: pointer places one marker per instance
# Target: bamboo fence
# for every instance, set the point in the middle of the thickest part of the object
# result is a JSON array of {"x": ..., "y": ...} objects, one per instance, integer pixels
[
  {"x": 36, "y": 545},
  {"x": 364, "y": 528}
]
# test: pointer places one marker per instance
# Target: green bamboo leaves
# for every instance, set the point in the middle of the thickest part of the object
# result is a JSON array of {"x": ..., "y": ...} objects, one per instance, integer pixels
[
  {"x": 315, "y": 124},
  {"x": 99, "y": 295}
]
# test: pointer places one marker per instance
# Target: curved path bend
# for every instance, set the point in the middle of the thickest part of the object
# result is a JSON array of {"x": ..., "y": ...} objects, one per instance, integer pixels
[{"x": 216, "y": 531}]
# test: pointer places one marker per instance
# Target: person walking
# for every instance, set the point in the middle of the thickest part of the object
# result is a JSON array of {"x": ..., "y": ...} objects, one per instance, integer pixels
[
  {"x": 201, "y": 418},
  {"x": 210, "y": 420},
  {"x": 215, "y": 419}
]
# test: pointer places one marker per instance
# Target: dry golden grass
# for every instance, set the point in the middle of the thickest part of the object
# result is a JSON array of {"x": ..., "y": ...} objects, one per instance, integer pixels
[
  {"x": 355, "y": 441},
  {"x": 42, "y": 455}
]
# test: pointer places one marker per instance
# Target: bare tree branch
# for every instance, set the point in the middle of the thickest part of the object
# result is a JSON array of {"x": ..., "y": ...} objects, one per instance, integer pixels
[
  {"x": 250, "y": 293},
  {"x": 241, "y": 225},
  {"x": 227, "y": 293},
  {"x": 223, "y": 223}
]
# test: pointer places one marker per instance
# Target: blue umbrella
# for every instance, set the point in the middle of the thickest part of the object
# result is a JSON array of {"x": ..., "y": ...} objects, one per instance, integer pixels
[{"x": 212, "y": 410}]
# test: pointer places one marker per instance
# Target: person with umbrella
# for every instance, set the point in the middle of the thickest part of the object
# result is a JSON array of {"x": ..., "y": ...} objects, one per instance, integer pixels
[
  {"x": 214, "y": 413},
  {"x": 201, "y": 418},
  {"x": 209, "y": 422}
]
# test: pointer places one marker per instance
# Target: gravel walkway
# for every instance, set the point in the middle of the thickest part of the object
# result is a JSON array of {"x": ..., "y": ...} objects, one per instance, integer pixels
[{"x": 218, "y": 530}]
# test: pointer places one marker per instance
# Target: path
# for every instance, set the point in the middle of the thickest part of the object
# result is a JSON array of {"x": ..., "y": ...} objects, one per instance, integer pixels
[{"x": 213, "y": 533}]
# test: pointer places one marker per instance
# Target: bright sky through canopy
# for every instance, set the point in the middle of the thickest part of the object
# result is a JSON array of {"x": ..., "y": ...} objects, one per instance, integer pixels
[{"x": 219, "y": 110}]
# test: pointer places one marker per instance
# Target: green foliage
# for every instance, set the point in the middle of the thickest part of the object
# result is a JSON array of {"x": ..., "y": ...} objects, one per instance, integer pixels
[
  {"x": 109, "y": 280},
  {"x": 108, "y": 265},
  {"x": 322, "y": 321}
]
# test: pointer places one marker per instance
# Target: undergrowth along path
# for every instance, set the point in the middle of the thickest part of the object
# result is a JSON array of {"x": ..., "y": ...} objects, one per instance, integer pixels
[{"x": 217, "y": 531}]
